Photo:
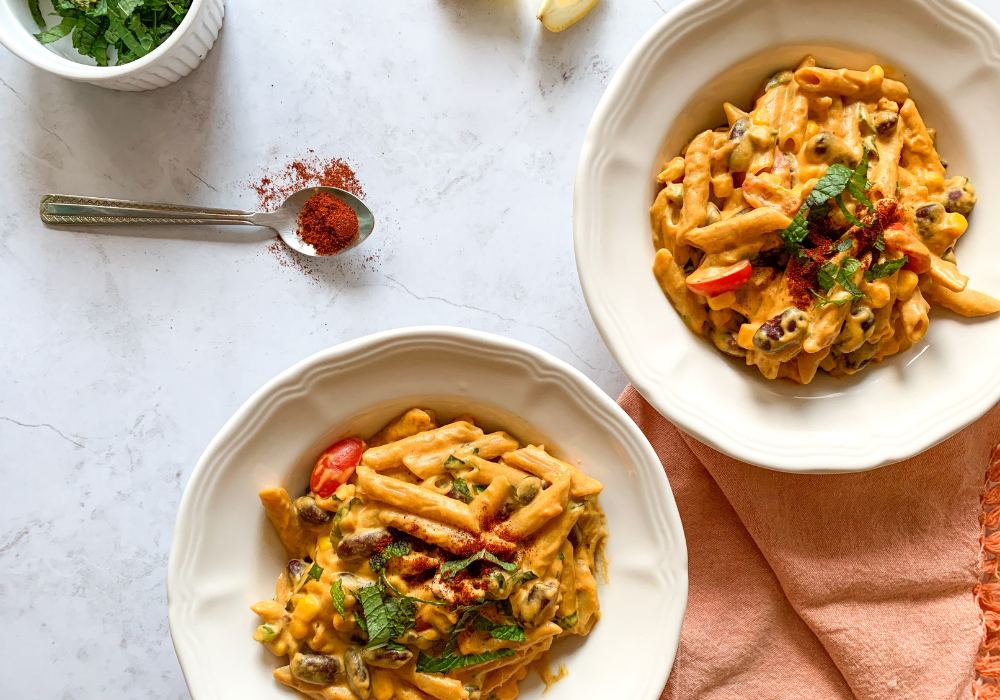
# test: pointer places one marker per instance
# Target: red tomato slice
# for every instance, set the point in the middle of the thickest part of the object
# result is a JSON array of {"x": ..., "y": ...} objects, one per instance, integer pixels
[
  {"x": 713, "y": 281},
  {"x": 900, "y": 239},
  {"x": 335, "y": 466}
]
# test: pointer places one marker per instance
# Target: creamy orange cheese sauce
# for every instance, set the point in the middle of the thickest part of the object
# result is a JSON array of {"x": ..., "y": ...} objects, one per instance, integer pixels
[
  {"x": 445, "y": 567},
  {"x": 841, "y": 295}
]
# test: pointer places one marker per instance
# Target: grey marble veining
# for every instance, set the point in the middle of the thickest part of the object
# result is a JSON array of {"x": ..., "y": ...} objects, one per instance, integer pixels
[{"x": 121, "y": 356}]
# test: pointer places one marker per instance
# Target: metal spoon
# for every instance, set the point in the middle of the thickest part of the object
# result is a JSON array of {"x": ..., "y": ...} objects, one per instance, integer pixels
[{"x": 64, "y": 210}]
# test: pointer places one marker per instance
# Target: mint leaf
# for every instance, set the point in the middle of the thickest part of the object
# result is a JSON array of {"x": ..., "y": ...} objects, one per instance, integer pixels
[
  {"x": 378, "y": 560},
  {"x": 830, "y": 274},
  {"x": 375, "y": 615},
  {"x": 844, "y": 245},
  {"x": 361, "y": 622},
  {"x": 462, "y": 487},
  {"x": 847, "y": 212},
  {"x": 450, "y": 568},
  {"x": 314, "y": 572},
  {"x": 885, "y": 269},
  {"x": 57, "y": 32},
  {"x": 36, "y": 14},
  {"x": 830, "y": 185},
  {"x": 338, "y": 596},
  {"x": 796, "y": 231},
  {"x": 429, "y": 664},
  {"x": 568, "y": 621},
  {"x": 507, "y": 633},
  {"x": 342, "y": 513},
  {"x": 386, "y": 618},
  {"x": 858, "y": 185},
  {"x": 453, "y": 463},
  {"x": 827, "y": 276},
  {"x": 468, "y": 615},
  {"x": 823, "y": 301}
]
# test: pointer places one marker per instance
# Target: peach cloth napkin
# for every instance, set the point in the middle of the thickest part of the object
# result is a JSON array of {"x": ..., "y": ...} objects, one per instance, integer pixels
[{"x": 855, "y": 586}]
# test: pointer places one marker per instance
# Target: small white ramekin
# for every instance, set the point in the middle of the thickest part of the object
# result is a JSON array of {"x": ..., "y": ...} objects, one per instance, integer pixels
[{"x": 175, "y": 58}]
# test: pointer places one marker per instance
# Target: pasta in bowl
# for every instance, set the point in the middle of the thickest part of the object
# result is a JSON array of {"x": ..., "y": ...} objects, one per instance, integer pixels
[
  {"x": 816, "y": 230},
  {"x": 431, "y": 561}
]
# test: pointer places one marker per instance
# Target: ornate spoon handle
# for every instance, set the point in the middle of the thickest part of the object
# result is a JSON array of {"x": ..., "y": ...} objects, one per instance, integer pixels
[{"x": 93, "y": 211}]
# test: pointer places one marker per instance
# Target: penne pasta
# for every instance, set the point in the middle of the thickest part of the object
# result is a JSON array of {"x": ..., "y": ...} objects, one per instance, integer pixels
[
  {"x": 447, "y": 586},
  {"x": 543, "y": 465},
  {"x": 428, "y": 464},
  {"x": 410, "y": 423},
  {"x": 828, "y": 204},
  {"x": 546, "y": 505},
  {"x": 448, "y": 437},
  {"x": 420, "y": 501}
]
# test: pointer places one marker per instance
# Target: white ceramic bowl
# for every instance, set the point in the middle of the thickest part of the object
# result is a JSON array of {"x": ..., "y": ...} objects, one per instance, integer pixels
[
  {"x": 671, "y": 86},
  {"x": 225, "y": 556},
  {"x": 175, "y": 58}
]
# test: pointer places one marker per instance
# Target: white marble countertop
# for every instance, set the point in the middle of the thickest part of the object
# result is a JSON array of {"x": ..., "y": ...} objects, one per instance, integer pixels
[{"x": 121, "y": 356}]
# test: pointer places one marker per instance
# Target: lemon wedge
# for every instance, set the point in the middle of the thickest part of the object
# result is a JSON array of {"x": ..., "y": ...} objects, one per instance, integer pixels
[{"x": 556, "y": 15}]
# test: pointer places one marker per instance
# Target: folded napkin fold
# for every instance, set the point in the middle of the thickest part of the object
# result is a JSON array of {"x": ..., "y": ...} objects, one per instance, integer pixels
[{"x": 856, "y": 586}]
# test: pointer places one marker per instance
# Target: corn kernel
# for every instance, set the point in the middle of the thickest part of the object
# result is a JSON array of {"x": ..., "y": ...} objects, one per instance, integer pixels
[
  {"x": 812, "y": 128},
  {"x": 298, "y": 628},
  {"x": 761, "y": 117},
  {"x": 721, "y": 301},
  {"x": 307, "y": 609},
  {"x": 954, "y": 225},
  {"x": 323, "y": 544},
  {"x": 935, "y": 182},
  {"x": 280, "y": 647}
]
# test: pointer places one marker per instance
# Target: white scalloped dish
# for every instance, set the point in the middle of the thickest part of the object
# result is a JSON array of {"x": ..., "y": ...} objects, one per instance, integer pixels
[
  {"x": 225, "y": 554},
  {"x": 670, "y": 87}
]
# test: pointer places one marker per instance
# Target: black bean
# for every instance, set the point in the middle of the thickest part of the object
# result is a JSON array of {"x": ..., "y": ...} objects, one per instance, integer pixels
[
  {"x": 297, "y": 569},
  {"x": 310, "y": 512},
  {"x": 790, "y": 326},
  {"x": 527, "y": 490},
  {"x": 885, "y": 122},
  {"x": 383, "y": 657},
  {"x": 540, "y": 599},
  {"x": 961, "y": 196},
  {"x": 358, "y": 677},
  {"x": 739, "y": 128},
  {"x": 320, "y": 669},
  {"x": 361, "y": 545}
]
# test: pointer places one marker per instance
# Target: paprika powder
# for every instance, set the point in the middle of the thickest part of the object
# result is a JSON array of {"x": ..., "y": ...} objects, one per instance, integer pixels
[{"x": 327, "y": 224}]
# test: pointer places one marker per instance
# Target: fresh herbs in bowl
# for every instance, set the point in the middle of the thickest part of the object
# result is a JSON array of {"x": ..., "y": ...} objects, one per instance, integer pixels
[{"x": 112, "y": 32}]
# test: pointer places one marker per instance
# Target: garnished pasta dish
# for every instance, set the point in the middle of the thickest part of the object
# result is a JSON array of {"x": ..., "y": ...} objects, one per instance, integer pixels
[
  {"x": 816, "y": 230},
  {"x": 431, "y": 562}
]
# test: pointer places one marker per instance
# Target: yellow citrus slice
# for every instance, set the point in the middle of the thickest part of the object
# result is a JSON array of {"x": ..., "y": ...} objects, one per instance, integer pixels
[{"x": 556, "y": 15}]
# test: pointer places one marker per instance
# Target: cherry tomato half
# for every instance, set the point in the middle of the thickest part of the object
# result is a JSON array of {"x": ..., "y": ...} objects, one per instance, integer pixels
[
  {"x": 335, "y": 466},
  {"x": 715, "y": 281}
]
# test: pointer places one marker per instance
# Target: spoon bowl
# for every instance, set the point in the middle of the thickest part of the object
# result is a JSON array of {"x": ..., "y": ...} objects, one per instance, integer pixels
[
  {"x": 67, "y": 210},
  {"x": 285, "y": 220}
]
